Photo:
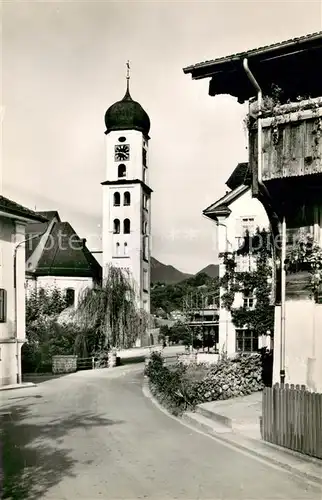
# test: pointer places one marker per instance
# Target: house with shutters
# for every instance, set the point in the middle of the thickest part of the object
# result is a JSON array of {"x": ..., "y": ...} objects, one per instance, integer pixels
[
  {"x": 57, "y": 257},
  {"x": 14, "y": 219},
  {"x": 236, "y": 214}
]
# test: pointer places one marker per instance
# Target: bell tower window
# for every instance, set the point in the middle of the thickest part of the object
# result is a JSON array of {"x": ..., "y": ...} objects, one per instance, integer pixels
[
  {"x": 117, "y": 249},
  {"x": 116, "y": 226},
  {"x": 126, "y": 226},
  {"x": 127, "y": 198},
  {"x": 121, "y": 170},
  {"x": 117, "y": 199},
  {"x": 126, "y": 249}
]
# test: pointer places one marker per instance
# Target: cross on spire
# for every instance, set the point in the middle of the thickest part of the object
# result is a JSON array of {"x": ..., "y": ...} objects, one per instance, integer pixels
[{"x": 128, "y": 75}]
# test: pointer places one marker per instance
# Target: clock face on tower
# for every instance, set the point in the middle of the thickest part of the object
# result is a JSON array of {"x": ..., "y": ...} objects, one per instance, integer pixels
[{"x": 122, "y": 152}]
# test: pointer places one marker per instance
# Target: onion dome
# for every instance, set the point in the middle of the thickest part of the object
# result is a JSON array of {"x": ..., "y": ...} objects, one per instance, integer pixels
[{"x": 127, "y": 115}]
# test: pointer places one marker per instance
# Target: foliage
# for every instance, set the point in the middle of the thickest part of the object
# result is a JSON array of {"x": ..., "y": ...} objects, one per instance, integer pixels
[
  {"x": 44, "y": 302},
  {"x": 275, "y": 106},
  {"x": 180, "y": 333},
  {"x": 307, "y": 254},
  {"x": 257, "y": 281},
  {"x": 185, "y": 386},
  {"x": 111, "y": 312},
  {"x": 170, "y": 297},
  {"x": 45, "y": 337}
]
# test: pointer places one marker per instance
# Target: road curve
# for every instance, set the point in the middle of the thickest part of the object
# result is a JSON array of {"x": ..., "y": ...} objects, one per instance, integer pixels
[{"x": 93, "y": 435}]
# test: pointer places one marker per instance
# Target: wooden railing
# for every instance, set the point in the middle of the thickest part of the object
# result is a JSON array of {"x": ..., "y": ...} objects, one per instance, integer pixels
[
  {"x": 292, "y": 417},
  {"x": 85, "y": 363}
]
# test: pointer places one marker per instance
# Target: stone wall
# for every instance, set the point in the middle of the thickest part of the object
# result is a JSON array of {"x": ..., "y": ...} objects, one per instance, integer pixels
[{"x": 64, "y": 364}]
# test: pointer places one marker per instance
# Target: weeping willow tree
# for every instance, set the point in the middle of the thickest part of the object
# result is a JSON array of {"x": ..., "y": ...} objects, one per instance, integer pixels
[{"x": 108, "y": 316}]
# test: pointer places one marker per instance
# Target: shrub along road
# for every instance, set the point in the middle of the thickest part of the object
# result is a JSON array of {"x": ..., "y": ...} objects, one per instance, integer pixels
[{"x": 94, "y": 435}]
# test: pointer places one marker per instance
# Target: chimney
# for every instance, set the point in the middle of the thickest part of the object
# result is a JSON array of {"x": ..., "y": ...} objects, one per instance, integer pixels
[{"x": 83, "y": 242}]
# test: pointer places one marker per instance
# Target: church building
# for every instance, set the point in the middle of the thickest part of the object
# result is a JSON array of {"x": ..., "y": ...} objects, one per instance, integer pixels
[{"x": 126, "y": 194}]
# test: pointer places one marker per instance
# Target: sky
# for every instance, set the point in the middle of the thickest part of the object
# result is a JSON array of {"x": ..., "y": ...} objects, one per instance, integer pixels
[{"x": 64, "y": 63}]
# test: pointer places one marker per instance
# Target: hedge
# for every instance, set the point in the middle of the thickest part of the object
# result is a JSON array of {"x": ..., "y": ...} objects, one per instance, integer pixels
[{"x": 182, "y": 387}]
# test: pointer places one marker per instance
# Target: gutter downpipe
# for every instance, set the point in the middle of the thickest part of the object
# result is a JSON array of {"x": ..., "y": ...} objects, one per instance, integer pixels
[
  {"x": 16, "y": 298},
  {"x": 227, "y": 243},
  {"x": 283, "y": 249}
]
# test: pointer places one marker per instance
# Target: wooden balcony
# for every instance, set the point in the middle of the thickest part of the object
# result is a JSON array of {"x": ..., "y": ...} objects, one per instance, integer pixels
[{"x": 291, "y": 140}]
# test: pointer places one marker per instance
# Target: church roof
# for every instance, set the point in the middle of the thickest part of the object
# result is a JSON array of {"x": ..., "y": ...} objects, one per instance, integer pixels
[
  {"x": 34, "y": 229},
  {"x": 127, "y": 115},
  {"x": 67, "y": 255},
  {"x": 64, "y": 253}
]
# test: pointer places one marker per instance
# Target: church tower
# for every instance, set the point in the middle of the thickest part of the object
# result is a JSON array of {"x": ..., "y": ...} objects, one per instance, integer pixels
[{"x": 126, "y": 193}]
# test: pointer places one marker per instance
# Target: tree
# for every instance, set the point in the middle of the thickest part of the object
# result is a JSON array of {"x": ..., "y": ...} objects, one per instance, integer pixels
[{"x": 111, "y": 312}]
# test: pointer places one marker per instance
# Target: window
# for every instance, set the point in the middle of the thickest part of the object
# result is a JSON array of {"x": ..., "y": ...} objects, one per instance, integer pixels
[
  {"x": 318, "y": 295},
  {"x": 246, "y": 340},
  {"x": 145, "y": 202},
  {"x": 144, "y": 156},
  {"x": 146, "y": 248},
  {"x": 248, "y": 225},
  {"x": 127, "y": 198},
  {"x": 248, "y": 299},
  {"x": 117, "y": 199},
  {"x": 121, "y": 170},
  {"x": 117, "y": 249},
  {"x": 126, "y": 249},
  {"x": 122, "y": 139},
  {"x": 3, "y": 305},
  {"x": 145, "y": 227},
  {"x": 243, "y": 263},
  {"x": 145, "y": 280},
  {"x": 126, "y": 226},
  {"x": 144, "y": 175},
  {"x": 70, "y": 297},
  {"x": 116, "y": 228}
]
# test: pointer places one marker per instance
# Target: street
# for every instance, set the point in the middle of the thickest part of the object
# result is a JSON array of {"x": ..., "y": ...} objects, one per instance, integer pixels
[{"x": 95, "y": 435}]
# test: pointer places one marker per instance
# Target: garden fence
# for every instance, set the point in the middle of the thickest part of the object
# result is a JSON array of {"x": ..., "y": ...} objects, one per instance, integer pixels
[{"x": 292, "y": 418}]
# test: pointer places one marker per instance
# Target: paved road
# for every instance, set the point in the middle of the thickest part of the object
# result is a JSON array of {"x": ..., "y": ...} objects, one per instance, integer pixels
[{"x": 94, "y": 435}]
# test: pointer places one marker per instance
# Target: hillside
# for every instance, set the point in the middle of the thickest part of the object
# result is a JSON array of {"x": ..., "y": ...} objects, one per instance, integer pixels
[
  {"x": 163, "y": 273},
  {"x": 212, "y": 270},
  {"x": 166, "y": 298}
]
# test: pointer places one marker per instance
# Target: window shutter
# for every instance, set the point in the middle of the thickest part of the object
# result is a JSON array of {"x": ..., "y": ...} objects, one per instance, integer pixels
[{"x": 3, "y": 305}]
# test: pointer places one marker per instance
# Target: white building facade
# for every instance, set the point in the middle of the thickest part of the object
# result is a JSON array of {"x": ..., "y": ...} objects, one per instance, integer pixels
[
  {"x": 127, "y": 195},
  {"x": 13, "y": 221},
  {"x": 234, "y": 215}
]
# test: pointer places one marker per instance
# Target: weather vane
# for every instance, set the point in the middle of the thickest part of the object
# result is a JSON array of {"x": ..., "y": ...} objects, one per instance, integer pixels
[{"x": 128, "y": 70}]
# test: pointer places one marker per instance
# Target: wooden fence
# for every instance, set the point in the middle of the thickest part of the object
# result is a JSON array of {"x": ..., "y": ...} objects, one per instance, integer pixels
[{"x": 292, "y": 417}]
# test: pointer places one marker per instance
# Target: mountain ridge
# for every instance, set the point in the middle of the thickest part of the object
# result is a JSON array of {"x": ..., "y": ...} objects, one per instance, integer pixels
[{"x": 168, "y": 274}]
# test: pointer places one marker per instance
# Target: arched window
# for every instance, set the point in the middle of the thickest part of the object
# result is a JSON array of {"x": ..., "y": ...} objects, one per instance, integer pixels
[
  {"x": 121, "y": 170},
  {"x": 127, "y": 198},
  {"x": 117, "y": 199},
  {"x": 117, "y": 248},
  {"x": 126, "y": 226},
  {"x": 126, "y": 249},
  {"x": 70, "y": 297},
  {"x": 116, "y": 226}
]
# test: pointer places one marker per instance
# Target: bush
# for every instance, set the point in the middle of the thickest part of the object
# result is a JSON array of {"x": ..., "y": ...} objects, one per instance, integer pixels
[{"x": 184, "y": 386}]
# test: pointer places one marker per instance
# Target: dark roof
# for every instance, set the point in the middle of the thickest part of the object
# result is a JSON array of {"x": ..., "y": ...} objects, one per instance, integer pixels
[
  {"x": 49, "y": 215},
  {"x": 221, "y": 206},
  {"x": 127, "y": 115},
  {"x": 12, "y": 208},
  {"x": 38, "y": 228},
  {"x": 128, "y": 181},
  {"x": 292, "y": 65},
  {"x": 241, "y": 175},
  {"x": 66, "y": 254}
]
